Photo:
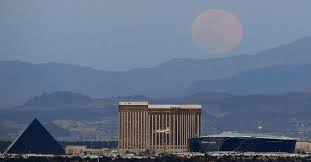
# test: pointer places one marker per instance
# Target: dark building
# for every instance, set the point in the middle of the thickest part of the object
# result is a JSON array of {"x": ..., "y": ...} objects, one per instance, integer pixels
[
  {"x": 242, "y": 143},
  {"x": 35, "y": 139}
]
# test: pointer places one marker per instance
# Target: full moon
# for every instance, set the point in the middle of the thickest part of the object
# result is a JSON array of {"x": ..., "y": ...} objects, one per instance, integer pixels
[{"x": 217, "y": 31}]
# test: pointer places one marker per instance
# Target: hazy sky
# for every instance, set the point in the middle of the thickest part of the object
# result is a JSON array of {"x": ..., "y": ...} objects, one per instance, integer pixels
[{"x": 124, "y": 34}]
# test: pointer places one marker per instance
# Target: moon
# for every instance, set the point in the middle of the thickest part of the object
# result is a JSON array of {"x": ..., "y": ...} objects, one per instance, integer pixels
[{"x": 217, "y": 31}]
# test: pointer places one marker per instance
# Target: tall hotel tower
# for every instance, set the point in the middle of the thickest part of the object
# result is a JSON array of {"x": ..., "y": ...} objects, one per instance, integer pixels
[{"x": 154, "y": 127}]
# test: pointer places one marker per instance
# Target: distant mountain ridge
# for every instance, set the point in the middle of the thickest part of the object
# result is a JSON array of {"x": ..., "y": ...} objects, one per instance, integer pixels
[
  {"x": 59, "y": 98},
  {"x": 272, "y": 80},
  {"x": 21, "y": 81}
]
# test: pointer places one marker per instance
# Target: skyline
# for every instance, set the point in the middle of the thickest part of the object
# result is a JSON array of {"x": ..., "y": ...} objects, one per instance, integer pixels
[{"x": 116, "y": 35}]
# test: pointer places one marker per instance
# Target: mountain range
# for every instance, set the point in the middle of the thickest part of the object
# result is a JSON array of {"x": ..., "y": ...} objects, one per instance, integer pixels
[{"x": 280, "y": 69}]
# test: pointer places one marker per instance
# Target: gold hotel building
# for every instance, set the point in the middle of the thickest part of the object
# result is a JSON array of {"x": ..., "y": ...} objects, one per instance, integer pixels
[{"x": 154, "y": 127}]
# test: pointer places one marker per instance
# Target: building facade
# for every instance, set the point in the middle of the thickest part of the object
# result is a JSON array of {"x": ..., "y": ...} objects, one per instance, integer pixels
[
  {"x": 157, "y": 127},
  {"x": 303, "y": 147}
]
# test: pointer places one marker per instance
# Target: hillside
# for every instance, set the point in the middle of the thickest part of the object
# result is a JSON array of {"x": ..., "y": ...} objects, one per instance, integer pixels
[{"x": 284, "y": 114}]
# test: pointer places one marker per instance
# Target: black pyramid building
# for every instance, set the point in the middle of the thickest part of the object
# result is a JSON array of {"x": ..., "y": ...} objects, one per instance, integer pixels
[{"x": 35, "y": 139}]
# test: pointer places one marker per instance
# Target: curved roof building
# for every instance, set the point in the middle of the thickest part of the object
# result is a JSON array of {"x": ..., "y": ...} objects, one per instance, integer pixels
[{"x": 242, "y": 143}]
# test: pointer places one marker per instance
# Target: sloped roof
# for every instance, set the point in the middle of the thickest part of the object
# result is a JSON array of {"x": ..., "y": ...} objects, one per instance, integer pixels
[{"x": 35, "y": 139}]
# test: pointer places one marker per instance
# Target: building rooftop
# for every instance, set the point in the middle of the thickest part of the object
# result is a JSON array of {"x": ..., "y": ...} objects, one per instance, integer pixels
[
  {"x": 156, "y": 106},
  {"x": 190, "y": 106},
  {"x": 250, "y": 135},
  {"x": 133, "y": 103}
]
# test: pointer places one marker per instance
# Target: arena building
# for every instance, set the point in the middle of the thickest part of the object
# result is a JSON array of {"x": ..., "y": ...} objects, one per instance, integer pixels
[
  {"x": 157, "y": 127},
  {"x": 242, "y": 143}
]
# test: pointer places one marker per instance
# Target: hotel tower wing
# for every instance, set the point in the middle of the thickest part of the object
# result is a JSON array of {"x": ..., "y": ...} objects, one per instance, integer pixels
[{"x": 157, "y": 127}]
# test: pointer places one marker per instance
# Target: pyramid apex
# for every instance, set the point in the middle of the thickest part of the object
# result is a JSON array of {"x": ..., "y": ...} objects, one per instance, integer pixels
[{"x": 35, "y": 120}]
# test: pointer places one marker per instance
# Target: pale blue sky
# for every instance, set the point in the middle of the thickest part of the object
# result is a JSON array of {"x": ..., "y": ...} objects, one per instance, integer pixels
[{"x": 123, "y": 34}]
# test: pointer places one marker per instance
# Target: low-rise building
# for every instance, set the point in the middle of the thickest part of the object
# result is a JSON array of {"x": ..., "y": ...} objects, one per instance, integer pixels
[
  {"x": 303, "y": 146},
  {"x": 75, "y": 150},
  {"x": 79, "y": 150}
]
